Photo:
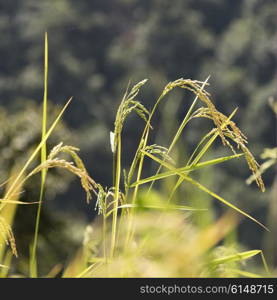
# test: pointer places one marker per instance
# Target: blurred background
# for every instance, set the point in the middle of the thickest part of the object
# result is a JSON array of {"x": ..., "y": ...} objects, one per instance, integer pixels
[{"x": 95, "y": 48}]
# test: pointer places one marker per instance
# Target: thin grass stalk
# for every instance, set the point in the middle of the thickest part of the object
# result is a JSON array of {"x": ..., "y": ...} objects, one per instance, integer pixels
[
  {"x": 204, "y": 189},
  {"x": 265, "y": 263},
  {"x": 131, "y": 215},
  {"x": 116, "y": 195},
  {"x": 201, "y": 153},
  {"x": 180, "y": 129},
  {"x": 142, "y": 145},
  {"x": 104, "y": 238},
  {"x": 33, "y": 262},
  {"x": 189, "y": 162},
  {"x": 185, "y": 169},
  {"x": 139, "y": 156},
  {"x": 35, "y": 152}
]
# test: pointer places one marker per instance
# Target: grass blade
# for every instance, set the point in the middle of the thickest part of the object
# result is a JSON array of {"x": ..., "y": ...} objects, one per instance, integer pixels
[
  {"x": 185, "y": 169},
  {"x": 235, "y": 257},
  {"x": 16, "y": 202},
  {"x": 206, "y": 190},
  {"x": 227, "y": 203},
  {"x": 181, "y": 127},
  {"x": 203, "y": 151},
  {"x": 38, "y": 148},
  {"x": 161, "y": 207},
  {"x": 186, "y": 119},
  {"x": 212, "y": 139},
  {"x": 245, "y": 273},
  {"x": 33, "y": 262}
]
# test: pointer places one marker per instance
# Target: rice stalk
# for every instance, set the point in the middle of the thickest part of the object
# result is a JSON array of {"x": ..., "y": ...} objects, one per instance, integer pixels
[
  {"x": 181, "y": 128},
  {"x": 19, "y": 179},
  {"x": 230, "y": 131},
  {"x": 224, "y": 127},
  {"x": 127, "y": 105},
  {"x": 33, "y": 262},
  {"x": 204, "y": 189},
  {"x": 200, "y": 93}
]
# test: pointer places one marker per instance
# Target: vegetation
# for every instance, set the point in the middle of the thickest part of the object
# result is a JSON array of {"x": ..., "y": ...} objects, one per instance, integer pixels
[
  {"x": 179, "y": 161},
  {"x": 128, "y": 239}
]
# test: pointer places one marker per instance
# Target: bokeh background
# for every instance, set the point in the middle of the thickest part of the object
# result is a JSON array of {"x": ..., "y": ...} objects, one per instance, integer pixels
[{"x": 95, "y": 48}]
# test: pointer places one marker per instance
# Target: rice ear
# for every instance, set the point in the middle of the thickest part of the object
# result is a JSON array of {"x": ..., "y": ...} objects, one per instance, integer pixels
[
  {"x": 7, "y": 234},
  {"x": 226, "y": 128},
  {"x": 76, "y": 167},
  {"x": 127, "y": 106}
]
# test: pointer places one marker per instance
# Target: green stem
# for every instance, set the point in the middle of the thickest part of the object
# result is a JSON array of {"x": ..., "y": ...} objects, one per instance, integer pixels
[
  {"x": 104, "y": 238},
  {"x": 142, "y": 145},
  {"x": 33, "y": 266},
  {"x": 181, "y": 128},
  {"x": 131, "y": 217},
  {"x": 33, "y": 263},
  {"x": 116, "y": 195}
]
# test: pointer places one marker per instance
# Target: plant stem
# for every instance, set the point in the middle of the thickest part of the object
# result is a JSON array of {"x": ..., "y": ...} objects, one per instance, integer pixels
[
  {"x": 180, "y": 129},
  {"x": 116, "y": 195},
  {"x": 33, "y": 265},
  {"x": 33, "y": 260},
  {"x": 142, "y": 145},
  {"x": 104, "y": 238}
]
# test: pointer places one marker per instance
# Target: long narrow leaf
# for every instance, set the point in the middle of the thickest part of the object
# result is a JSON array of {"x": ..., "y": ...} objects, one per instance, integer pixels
[
  {"x": 36, "y": 151},
  {"x": 212, "y": 139},
  {"x": 33, "y": 261},
  {"x": 44, "y": 114},
  {"x": 161, "y": 207},
  {"x": 245, "y": 273},
  {"x": 183, "y": 169},
  {"x": 227, "y": 203},
  {"x": 235, "y": 257},
  {"x": 16, "y": 202},
  {"x": 186, "y": 119},
  {"x": 203, "y": 150},
  {"x": 181, "y": 127},
  {"x": 206, "y": 190}
]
